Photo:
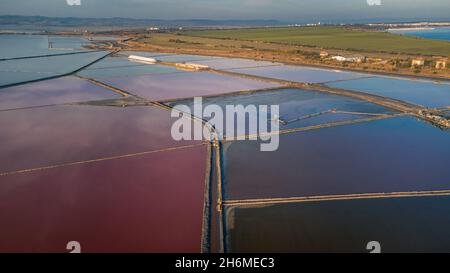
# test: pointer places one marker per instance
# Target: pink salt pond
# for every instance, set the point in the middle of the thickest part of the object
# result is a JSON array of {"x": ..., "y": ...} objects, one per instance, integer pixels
[
  {"x": 51, "y": 92},
  {"x": 47, "y": 136},
  {"x": 146, "y": 203},
  {"x": 184, "y": 85}
]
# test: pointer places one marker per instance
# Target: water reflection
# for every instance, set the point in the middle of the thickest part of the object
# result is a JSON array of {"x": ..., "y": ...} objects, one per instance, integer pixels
[
  {"x": 184, "y": 85},
  {"x": 122, "y": 67},
  {"x": 296, "y": 105},
  {"x": 230, "y": 63},
  {"x": 17, "y": 71},
  {"x": 300, "y": 73},
  {"x": 392, "y": 155},
  {"x": 413, "y": 224},
  {"x": 60, "y": 134},
  {"x": 14, "y": 46},
  {"x": 424, "y": 93},
  {"x": 135, "y": 204},
  {"x": 57, "y": 91}
]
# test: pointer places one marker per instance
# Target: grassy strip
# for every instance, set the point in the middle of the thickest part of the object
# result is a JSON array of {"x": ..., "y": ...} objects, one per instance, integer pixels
[{"x": 333, "y": 37}]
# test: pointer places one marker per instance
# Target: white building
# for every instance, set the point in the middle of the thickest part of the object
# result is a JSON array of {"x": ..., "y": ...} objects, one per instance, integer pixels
[
  {"x": 339, "y": 58},
  {"x": 418, "y": 62},
  {"x": 141, "y": 59},
  {"x": 355, "y": 59}
]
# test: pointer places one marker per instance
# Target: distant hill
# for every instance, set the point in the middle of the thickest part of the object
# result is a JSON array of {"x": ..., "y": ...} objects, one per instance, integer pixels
[{"x": 40, "y": 21}]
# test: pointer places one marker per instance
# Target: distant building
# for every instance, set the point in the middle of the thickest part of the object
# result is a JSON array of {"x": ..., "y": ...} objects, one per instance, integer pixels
[
  {"x": 354, "y": 59},
  {"x": 417, "y": 62},
  {"x": 339, "y": 58},
  {"x": 441, "y": 64},
  {"x": 357, "y": 59},
  {"x": 140, "y": 59}
]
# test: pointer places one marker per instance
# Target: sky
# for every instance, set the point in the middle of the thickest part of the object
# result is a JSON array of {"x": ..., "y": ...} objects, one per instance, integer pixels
[{"x": 292, "y": 10}]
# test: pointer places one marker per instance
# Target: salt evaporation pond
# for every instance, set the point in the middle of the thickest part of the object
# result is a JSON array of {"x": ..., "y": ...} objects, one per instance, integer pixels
[
  {"x": 63, "y": 170},
  {"x": 40, "y": 137},
  {"x": 67, "y": 42},
  {"x": 146, "y": 203},
  {"x": 177, "y": 58},
  {"x": 233, "y": 63},
  {"x": 184, "y": 85},
  {"x": 51, "y": 92},
  {"x": 421, "y": 92},
  {"x": 300, "y": 73},
  {"x": 16, "y": 46},
  {"x": 126, "y": 53},
  {"x": 392, "y": 155},
  {"x": 295, "y": 105},
  {"x": 405, "y": 225},
  {"x": 214, "y": 62},
  {"x": 122, "y": 67},
  {"x": 171, "y": 57},
  {"x": 112, "y": 62},
  {"x": 23, "y": 70}
]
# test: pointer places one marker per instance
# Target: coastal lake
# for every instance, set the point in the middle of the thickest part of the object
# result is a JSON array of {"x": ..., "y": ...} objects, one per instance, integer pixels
[{"x": 439, "y": 33}]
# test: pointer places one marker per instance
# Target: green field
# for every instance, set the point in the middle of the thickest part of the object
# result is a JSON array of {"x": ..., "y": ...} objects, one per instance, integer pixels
[{"x": 333, "y": 38}]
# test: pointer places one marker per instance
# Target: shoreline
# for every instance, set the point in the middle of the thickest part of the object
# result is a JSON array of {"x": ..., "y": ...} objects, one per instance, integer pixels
[{"x": 411, "y": 28}]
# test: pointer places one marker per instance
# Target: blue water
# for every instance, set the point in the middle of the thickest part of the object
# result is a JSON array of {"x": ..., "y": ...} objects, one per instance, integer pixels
[
  {"x": 295, "y": 104},
  {"x": 22, "y": 70},
  {"x": 403, "y": 225},
  {"x": 392, "y": 155},
  {"x": 184, "y": 58},
  {"x": 440, "y": 33},
  {"x": 168, "y": 57},
  {"x": 300, "y": 73},
  {"x": 424, "y": 93},
  {"x": 122, "y": 67},
  {"x": 13, "y": 71},
  {"x": 14, "y": 46}
]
